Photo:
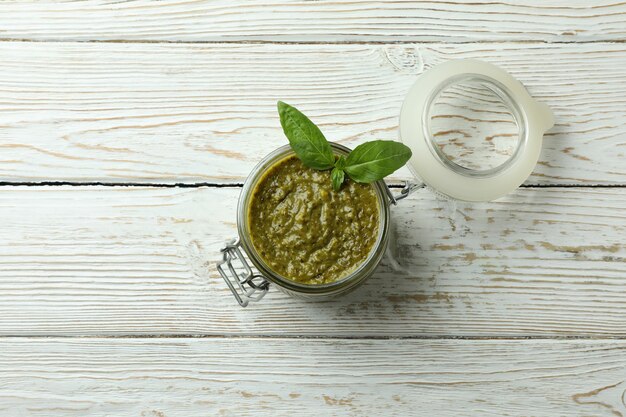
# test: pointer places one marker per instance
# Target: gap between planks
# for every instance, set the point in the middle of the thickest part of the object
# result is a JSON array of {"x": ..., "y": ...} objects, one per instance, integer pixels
[
  {"x": 311, "y": 337},
  {"x": 322, "y": 43},
  {"x": 234, "y": 185}
]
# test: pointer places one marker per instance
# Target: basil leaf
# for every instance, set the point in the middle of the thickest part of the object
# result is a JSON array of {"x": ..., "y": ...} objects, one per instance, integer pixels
[
  {"x": 337, "y": 176},
  {"x": 341, "y": 162},
  {"x": 305, "y": 138},
  {"x": 373, "y": 161}
]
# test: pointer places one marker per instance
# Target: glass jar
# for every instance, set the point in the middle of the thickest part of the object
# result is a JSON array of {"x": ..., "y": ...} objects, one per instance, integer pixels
[
  {"x": 443, "y": 175},
  {"x": 429, "y": 164},
  {"x": 248, "y": 285}
]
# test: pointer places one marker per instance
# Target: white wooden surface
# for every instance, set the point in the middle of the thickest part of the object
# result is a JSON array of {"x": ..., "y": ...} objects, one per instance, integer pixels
[
  {"x": 206, "y": 113},
  {"x": 310, "y": 377},
  {"x": 314, "y": 21},
  {"x": 109, "y": 299},
  {"x": 119, "y": 261}
]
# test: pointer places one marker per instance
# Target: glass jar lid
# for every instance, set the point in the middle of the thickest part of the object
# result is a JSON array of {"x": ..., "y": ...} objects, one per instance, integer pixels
[{"x": 474, "y": 130}]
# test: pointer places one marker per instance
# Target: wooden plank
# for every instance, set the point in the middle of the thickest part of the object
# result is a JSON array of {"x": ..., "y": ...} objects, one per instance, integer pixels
[
  {"x": 119, "y": 261},
  {"x": 269, "y": 377},
  {"x": 206, "y": 113},
  {"x": 289, "y": 20}
]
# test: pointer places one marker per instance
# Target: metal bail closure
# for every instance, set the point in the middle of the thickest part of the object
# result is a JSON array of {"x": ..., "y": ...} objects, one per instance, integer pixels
[
  {"x": 245, "y": 285},
  {"x": 428, "y": 162},
  {"x": 407, "y": 189}
]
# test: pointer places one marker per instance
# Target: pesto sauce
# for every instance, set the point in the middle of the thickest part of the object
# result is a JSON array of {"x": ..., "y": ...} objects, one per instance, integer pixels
[{"x": 307, "y": 232}]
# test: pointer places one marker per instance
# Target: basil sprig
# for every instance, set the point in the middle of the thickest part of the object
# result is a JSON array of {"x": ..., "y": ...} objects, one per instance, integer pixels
[
  {"x": 372, "y": 161},
  {"x": 368, "y": 162},
  {"x": 305, "y": 138}
]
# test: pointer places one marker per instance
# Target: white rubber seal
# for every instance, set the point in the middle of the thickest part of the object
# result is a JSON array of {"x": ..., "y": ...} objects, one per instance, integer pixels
[{"x": 533, "y": 119}]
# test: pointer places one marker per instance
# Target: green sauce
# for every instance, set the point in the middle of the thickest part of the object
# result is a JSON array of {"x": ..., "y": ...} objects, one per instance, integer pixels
[{"x": 306, "y": 231}]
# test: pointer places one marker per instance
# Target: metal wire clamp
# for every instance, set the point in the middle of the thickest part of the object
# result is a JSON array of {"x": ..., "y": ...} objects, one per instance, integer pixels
[{"x": 245, "y": 285}]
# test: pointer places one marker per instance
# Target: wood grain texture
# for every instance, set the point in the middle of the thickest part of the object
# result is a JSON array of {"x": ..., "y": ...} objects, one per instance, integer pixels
[
  {"x": 270, "y": 377},
  {"x": 206, "y": 113},
  {"x": 315, "y": 21},
  {"x": 117, "y": 261},
  {"x": 100, "y": 261}
]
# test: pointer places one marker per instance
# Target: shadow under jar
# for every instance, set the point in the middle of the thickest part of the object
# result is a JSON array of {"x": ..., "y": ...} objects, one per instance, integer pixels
[{"x": 242, "y": 277}]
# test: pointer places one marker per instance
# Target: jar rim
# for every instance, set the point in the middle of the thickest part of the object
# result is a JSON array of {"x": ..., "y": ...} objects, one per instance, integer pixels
[
  {"x": 353, "y": 278},
  {"x": 506, "y": 97},
  {"x": 452, "y": 180}
]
